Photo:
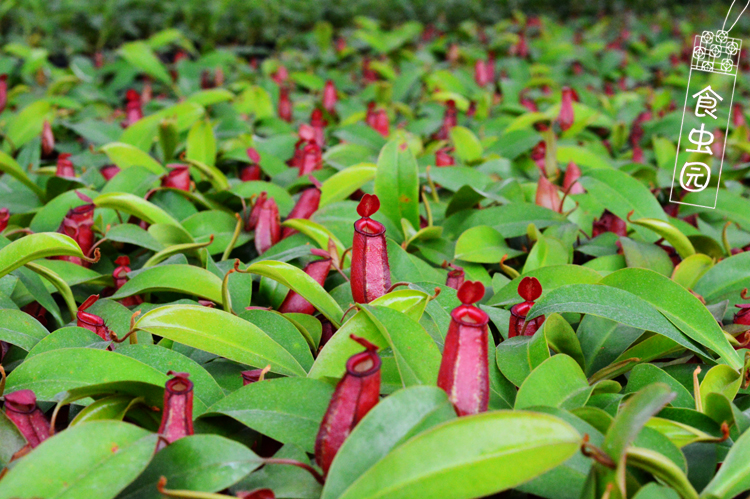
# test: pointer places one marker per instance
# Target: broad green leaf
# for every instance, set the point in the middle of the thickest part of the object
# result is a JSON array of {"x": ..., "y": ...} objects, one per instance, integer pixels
[
  {"x": 468, "y": 147},
  {"x": 643, "y": 375},
  {"x": 96, "y": 459},
  {"x": 286, "y": 409},
  {"x": 126, "y": 155},
  {"x": 516, "y": 357},
  {"x": 408, "y": 301},
  {"x": 483, "y": 244},
  {"x": 49, "y": 217},
  {"x": 28, "y": 124},
  {"x": 318, "y": 233},
  {"x": 11, "y": 440},
  {"x": 721, "y": 379},
  {"x": 562, "y": 339},
  {"x": 186, "y": 279},
  {"x": 165, "y": 359},
  {"x": 670, "y": 233},
  {"x": 633, "y": 416},
  {"x": 133, "y": 205},
  {"x": 397, "y": 183},
  {"x": 220, "y": 333},
  {"x": 140, "y": 55},
  {"x": 110, "y": 407},
  {"x": 341, "y": 185},
  {"x": 202, "y": 463},
  {"x": 690, "y": 270},
  {"x": 550, "y": 278},
  {"x": 417, "y": 357},
  {"x": 725, "y": 280},
  {"x": 733, "y": 477},
  {"x": 647, "y": 256},
  {"x": 469, "y": 457},
  {"x": 213, "y": 174},
  {"x": 678, "y": 305},
  {"x": 11, "y": 167},
  {"x": 569, "y": 390},
  {"x": 511, "y": 220},
  {"x": 254, "y": 188},
  {"x": 20, "y": 329},
  {"x": 201, "y": 143},
  {"x": 610, "y": 303},
  {"x": 295, "y": 279},
  {"x": 621, "y": 193},
  {"x": 211, "y": 96},
  {"x": 55, "y": 371},
  {"x": 547, "y": 252},
  {"x": 36, "y": 246},
  {"x": 678, "y": 433},
  {"x": 390, "y": 423},
  {"x": 134, "y": 234}
]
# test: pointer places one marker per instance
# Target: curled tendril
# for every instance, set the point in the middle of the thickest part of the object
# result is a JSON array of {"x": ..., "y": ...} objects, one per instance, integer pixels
[{"x": 590, "y": 450}]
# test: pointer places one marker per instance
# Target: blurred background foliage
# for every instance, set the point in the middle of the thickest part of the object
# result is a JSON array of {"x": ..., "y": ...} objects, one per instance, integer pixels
[{"x": 71, "y": 26}]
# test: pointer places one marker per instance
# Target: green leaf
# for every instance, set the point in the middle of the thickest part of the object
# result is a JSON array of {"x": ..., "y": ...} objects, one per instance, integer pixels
[
  {"x": 643, "y": 375},
  {"x": 201, "y": 463},
  {"x": 11, "y": 440},
  {"x": 134, "y": 234},
  {"x": 187, "y": 279},
  {"x": 690, "y": 270},
  {"x": 50, "y": 373},
  {"x": 562, "y": 339},
  {"x": 296, "y": 280},
  {"x": 286, "y": 409},
  {"x": 126, "y": 155},
  {"x": 550, "y": 278},
  {"x": 670, "y": 233},
  {"x": 344, "y": 183},
  {"x": 516, "y": 357},
  {"x": 20, "y": 329},
  {"x": 220, "y": 333},
  {"x": 468, "y": 147},
  {"x": 678, "y": 433},
  {"x": 621, "y": 193},
  {"x": 663, "y": 469},
  {"x": 721, "y": 379},
  {"x": 36, "y": 246},
  {"x": 417, "y": 356},
  {"x": 678, "y": 305},
  {"x": 318, "y": 233},
  {"x": 469, "y": 457},
  {"x": 511, "y": 220},
  {"x": 726, "y": 279},
  {"x": 96, "y": 459},
  {"x": 140, "y": 55},
  {"x": 603, "y": 340},
  {"x": 49, "y": 217},
  {"x": 610, "y": 303},
  {"x": 647, "y": 256},
  {"x": 633, "y": 416},
  {"x": 201, "y": 143},
  {"x": 11, "y": 167},
  {"x": 569, "y": 390},
  {"x": 393, "y": 421},
  {"x": 483, "y": 244},
  {"x": 397, "y": 183},
  {"x": 134, "y": 205},
  {"x": 110, "y": 407},
  {"x": 213, "y": 174},
  {"x": 28, "y": 124},
  {"x": 733, "y": 477}
]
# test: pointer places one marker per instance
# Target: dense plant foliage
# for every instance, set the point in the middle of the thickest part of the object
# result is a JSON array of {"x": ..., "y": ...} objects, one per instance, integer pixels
[{"x": 398, "y": 263}]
